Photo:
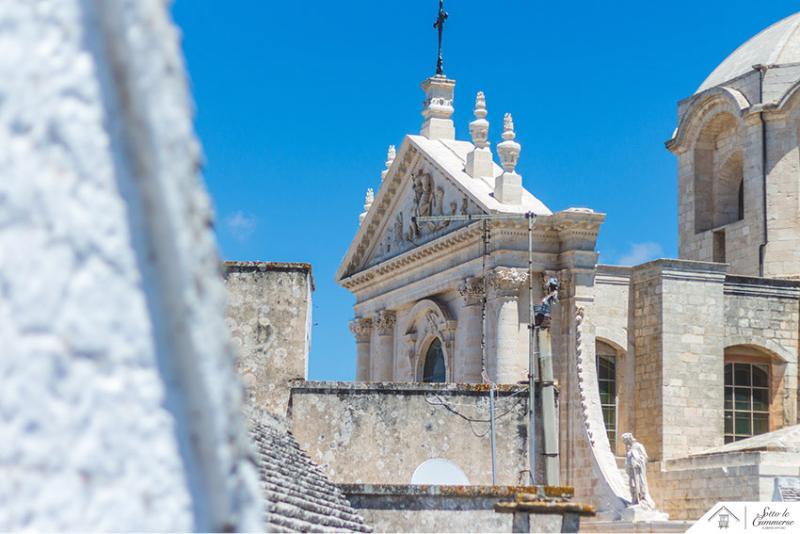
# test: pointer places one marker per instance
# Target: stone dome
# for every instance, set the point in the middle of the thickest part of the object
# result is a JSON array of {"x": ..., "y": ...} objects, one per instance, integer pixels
[{"x": 778, "y": 44}]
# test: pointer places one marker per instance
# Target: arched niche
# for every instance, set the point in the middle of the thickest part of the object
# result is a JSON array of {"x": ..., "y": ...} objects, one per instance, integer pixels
[
  {"x": 718, "y": 173},
  {"x": 439, "y": 471},
  {"x": 427, "y": 322}
]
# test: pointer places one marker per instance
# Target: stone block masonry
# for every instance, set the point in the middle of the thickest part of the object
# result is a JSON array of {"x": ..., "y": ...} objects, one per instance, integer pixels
[
  {"x": 379, "y": 433},
  {"x": 269, "y": 316}
]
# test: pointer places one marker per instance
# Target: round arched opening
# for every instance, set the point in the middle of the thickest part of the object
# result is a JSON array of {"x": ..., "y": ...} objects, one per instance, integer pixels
[
  {"x": 434, "y": 369},
  {"x": 438, "y": 471}
]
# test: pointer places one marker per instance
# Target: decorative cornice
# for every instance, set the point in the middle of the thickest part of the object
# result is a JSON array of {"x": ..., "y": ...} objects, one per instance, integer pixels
[
  {"x": 554, "y": 228},
  {"x": 384, "y": 322},
  {"x": 361, "y": 327},
  {"x": 761, "y": 287}
]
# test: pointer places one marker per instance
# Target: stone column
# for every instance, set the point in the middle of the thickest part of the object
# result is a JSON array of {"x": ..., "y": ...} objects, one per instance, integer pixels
[
  {"x": 468, "y": 333},
  {"x": 362, "y": 330},
  {"x": 511, "y": 362},
  {"x": 383, "y": 356}
]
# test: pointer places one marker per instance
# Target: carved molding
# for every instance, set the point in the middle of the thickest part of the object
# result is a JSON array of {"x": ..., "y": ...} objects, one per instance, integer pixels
[
  {"x": 361, "y": 328},
  {"x": 472, "y": 290},
  {"x": 506, "y": 282},
  {"x": 384, "y": 322}
]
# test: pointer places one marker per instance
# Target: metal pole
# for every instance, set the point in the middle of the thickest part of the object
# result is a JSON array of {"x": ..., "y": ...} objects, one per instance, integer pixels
[
  {"x": 493, "y": 434},
  {"x": 532, "y": 350},
  {"x": 549, "y": 415}
]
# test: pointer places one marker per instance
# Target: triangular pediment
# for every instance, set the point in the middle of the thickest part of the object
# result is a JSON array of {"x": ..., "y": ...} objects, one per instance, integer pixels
[
  {"x": 423, "y": 191},
  {"x": 426, "y": 178}
]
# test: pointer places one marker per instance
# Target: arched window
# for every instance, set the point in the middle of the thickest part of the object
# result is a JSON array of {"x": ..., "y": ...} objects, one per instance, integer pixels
[
  {"x": 607, "y": 383},
  {"x": 746, "y": 400},
  {"x": 434, "y": 370}
]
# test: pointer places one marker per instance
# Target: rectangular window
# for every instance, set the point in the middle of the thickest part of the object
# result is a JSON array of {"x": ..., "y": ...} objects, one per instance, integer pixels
[
  {"x": 607, "y": 382},
  {"x": 746, "y": 400}
]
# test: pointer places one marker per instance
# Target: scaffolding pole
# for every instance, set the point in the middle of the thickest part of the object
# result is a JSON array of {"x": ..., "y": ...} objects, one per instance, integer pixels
[{"x": 534, "y": 352}]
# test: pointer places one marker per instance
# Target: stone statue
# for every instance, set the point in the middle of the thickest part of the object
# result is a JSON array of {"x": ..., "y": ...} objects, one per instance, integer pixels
[{"x": 636, "y": 467}]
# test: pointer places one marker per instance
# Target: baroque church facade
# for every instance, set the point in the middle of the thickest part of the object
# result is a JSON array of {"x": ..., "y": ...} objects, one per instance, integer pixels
[{"x": 697, "y": 357}]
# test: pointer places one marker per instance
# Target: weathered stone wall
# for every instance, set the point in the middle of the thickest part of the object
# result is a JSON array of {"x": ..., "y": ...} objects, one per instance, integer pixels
[
  {"x": 763, "y": 317},
  {"x": 612, "y": 316},
  {"x": 687, "y": 488},
  {"x": 380, "y": 433},
  {"x": 120, "y": 402},
  {"x": 440, "y": 508},
  {"x": 679, "y": 356},
  {"x": 269, "y": 316}
]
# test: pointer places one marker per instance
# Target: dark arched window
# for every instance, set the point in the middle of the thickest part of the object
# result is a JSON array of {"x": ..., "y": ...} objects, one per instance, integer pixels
[{"x": 434, "y": 363}]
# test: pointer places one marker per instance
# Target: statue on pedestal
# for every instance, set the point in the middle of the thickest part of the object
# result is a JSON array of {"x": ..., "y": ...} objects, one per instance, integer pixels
[{"x": 642, "y": 507}]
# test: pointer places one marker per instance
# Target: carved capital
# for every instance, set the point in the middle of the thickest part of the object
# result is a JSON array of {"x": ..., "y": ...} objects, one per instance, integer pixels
[
  {"x": 472, "y": 290},
  {"x": 506, "y": 281},
  {"x": 384, "y": 322},
  {"x": 361, "y": 329}
]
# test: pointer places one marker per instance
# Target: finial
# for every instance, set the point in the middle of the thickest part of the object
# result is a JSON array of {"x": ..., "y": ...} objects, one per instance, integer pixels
[
  {"x": 479, "y": 128},
  {"x": 369, "y": 198},
  {"x": 508, "y": 149},
  {"x": 439, "y": 24},
  {"x": 390, "y": 155}
]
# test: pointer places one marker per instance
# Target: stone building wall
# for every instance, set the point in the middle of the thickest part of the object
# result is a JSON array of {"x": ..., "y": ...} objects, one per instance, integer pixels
[
  {"x": 269, "y": 316},
  {"x": 762, "y": 318},
  {"x": 380, "y": 433},
  {"x": 678, "y": 318},
  {"x": 121, "y": 407},
  {"x": 686, "y": 488}
]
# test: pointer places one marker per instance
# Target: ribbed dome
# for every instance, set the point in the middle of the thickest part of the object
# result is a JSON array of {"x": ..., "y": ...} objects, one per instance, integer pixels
[{"x": 777, "y": 45}]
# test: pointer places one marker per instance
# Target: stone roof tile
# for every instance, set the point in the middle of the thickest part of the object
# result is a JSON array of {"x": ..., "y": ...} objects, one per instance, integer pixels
[{"x": 300, "y": 497}]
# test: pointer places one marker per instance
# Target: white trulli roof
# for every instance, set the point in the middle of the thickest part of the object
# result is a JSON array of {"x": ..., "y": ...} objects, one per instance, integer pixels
[
  {"x": 778, "y": 44},
  {"x": 452, "y": 156}
]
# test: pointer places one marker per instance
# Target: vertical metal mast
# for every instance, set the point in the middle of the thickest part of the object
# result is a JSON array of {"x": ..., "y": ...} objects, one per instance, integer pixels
[{"x": 533, "y": 349}]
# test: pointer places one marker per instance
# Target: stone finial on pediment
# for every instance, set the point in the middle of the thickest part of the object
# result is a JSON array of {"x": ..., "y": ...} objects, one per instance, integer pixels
[
  {"x": 361, "y": 327},
  {"x": 509, "y": 149},
  {"x": 479, "y": 128},
  {"x": 472, "y": 290},
  {"x": 369, "y": 198},
  {"x": 479, "y": 160},
  {"x": 508, "y": 186},
  {"x": 390, "y": 155},
  {"x": 384, "y": 322}
]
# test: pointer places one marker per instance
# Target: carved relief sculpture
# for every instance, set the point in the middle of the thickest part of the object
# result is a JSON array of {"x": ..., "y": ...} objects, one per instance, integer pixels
[
  {"x": 505, "y": 279},
  {"x": 472, "y": 290},
  {"x": 361, "y": 328},
  {"x": 384, "y": 322}
]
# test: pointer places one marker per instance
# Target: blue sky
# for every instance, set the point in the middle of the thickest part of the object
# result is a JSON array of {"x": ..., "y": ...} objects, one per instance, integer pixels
[{"x": 297, "y": 102}]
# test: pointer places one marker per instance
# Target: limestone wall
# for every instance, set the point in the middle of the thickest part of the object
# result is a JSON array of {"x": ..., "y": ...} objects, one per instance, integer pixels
[
  {"x": 762, "y": 317},
  {"x": 679, "y": 356},
  {"x": 380, "y": 433},
  {"x": 120, "y": 404},
  {"x": 687, "y": 488},
  {"x": 269, "y": 316}
]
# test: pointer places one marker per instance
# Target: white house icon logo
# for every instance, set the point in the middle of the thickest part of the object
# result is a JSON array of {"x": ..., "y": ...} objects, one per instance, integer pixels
[{"x": 723, "y": 517}]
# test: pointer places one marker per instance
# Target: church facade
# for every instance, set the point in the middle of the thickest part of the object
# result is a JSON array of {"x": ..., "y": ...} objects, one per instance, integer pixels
[{"x": 697, "y": 357}]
